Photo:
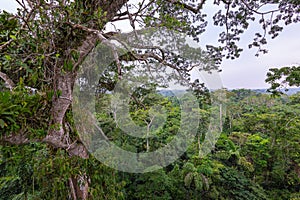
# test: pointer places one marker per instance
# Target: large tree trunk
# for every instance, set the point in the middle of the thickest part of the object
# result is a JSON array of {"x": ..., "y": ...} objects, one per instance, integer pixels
[
  {"x": 61, "y": 101},
  {"x": 63, "y": 81},
  {"x": 58, "y": 136}
]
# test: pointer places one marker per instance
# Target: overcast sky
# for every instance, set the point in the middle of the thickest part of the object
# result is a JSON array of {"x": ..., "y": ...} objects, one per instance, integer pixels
[{"x": 248, "y": 71}]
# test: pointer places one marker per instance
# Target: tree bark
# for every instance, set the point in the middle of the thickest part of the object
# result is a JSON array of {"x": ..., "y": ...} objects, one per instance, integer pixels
[
  {"x": 8, "y": 82},
  {"x": 61, "y": 101},
  {"x": 63, "y": 87},
  {"x": 79, "y": 187},
  {"x": 63, "y": 82}
]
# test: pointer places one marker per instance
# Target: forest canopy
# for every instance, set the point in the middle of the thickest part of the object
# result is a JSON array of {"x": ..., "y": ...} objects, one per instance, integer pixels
[{"x": 43, "y": 47}]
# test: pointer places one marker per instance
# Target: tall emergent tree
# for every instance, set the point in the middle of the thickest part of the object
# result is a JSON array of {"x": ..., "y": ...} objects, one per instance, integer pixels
[
  {"x": 283, "y": 78},
  {"x": 43, "y": 45}
]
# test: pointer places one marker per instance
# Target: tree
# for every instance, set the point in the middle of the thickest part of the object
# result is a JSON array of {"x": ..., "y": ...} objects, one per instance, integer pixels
[
  {"x": 43, "y": 46},
  {"x": 282, "y": 78},
  {"x": 267, "y": 137}
]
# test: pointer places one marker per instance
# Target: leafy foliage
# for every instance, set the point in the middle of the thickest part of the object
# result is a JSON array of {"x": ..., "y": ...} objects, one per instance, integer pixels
[
  {"x": 283, "y": 78},
  {"x": 42, "y": 47}
]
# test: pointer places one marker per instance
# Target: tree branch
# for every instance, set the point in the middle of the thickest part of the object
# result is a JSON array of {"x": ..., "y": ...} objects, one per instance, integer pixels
[
  {"x": 9, "y": 83},
  {"x": 256, "y": 11},
  {"x": 16, "y": 139},
  {"x": 188, "y": 7},
  {"x": 6, "y": 44},
  {"x": 74, "y": 149},
  {"x": 102, "y": 39}
]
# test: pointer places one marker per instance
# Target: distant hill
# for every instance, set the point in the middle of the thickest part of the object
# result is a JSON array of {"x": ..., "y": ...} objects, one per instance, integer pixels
[
  {"x": 169, "y": 93},
  {"x": 290, "y": 91}
]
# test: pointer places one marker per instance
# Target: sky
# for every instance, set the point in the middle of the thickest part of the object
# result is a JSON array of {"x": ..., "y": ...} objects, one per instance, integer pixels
[{"x": 248, "y": 71}]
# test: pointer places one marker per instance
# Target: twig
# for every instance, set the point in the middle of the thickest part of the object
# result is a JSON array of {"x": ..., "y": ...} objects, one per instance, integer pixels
[
  {"x": 6, "y": 44},
  {"x": 190, "y": 8}
]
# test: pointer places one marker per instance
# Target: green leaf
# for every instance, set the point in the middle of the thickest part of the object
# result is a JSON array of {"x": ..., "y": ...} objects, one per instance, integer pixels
[
  {"x": 13, "y": 37},
  {"x": 2, "y": 123}
]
